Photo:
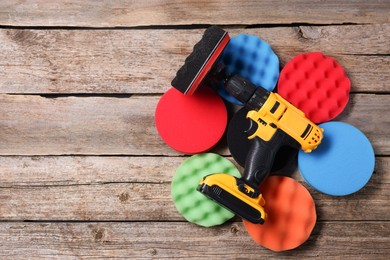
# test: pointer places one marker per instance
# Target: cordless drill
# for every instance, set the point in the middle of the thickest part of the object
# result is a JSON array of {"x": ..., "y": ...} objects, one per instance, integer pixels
[{"x": 274, "y": 123}]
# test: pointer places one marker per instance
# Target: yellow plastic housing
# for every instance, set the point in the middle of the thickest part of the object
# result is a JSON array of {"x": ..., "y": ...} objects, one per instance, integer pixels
[{"x": 277, "y": 113}]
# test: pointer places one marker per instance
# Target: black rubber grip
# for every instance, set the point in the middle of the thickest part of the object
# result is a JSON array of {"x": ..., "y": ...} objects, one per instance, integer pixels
[{"x": 261, "y": 157}]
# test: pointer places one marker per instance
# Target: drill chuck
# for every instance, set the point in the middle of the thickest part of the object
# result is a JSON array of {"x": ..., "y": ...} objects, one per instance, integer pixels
[{"x": 246, "y": 92}]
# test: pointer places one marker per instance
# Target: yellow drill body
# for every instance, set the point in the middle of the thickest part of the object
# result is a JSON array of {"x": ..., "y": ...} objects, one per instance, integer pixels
[{"x": 277, "y": 113}]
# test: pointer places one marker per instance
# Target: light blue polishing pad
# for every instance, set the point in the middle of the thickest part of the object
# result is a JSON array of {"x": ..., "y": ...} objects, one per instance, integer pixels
[
  {"x": 342, "y": 164},
  {"x": 251, "y": 58}
]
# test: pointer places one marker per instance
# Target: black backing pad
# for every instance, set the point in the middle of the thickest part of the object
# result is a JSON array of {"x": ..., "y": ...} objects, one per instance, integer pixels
[{"x": 239, "y": 143}]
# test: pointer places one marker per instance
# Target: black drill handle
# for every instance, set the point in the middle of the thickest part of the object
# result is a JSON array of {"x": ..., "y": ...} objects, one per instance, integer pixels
[{"x": 261, "y": 157}]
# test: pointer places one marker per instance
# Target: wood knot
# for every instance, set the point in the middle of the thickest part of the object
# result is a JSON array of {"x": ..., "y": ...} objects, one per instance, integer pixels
[
  {"x": 234, "y": 229},
  {"x": 153, "y": 252},
  {"x": 23, "y": 37},
  {"x": 310, "y": 33},
  {"x": 98, "y": 233},
  {"x": 123, "y": 197}
]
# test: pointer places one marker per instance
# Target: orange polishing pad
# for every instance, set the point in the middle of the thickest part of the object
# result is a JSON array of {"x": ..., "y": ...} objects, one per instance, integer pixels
[{"x": 291, "y": 215}]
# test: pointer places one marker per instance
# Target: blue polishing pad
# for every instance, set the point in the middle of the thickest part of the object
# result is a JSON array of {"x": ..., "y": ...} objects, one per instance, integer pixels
[
  {"x": 342, "y": 164},
  {"x": 252, "y": 58}
]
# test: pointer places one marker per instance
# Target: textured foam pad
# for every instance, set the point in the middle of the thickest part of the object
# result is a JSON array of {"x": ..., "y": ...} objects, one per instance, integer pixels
[
  {"x": 191, "y": 123},
  {"x": 291, "y": 215},
  {"x": 316, "y": 84},
  {"x": 342, "y": 164},
  {"x": 199, "y": 62},
  {"x": 252, "y": 58},
  {"x": 193, "y": 205},
  {"x": 239, "y": 144}
]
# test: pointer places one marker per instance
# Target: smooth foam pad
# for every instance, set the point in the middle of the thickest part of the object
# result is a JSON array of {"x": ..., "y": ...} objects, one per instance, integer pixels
[
  {"x": 342, "y": 164},
  {"x": 252, "y": 58},
  {"x": 239, "y": 144},
  {"x": 193, "y": 205},
  {"x": 191, "y": 123},
  {"x": 291, "y": 215},
  {"x": 316, "y": 84}
]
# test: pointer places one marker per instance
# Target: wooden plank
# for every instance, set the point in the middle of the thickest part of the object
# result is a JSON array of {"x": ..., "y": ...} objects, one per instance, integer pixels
[
  {"x": 35, "y": 125},
  {"x": 138, "y": 189},
  {"x": 352, "y": 240},
  {"x": 171, "y": 12},
  {"x": 85, "y": 170},
  {"x": 25, "y": 171},
  {"x": 145, "y": 61}
]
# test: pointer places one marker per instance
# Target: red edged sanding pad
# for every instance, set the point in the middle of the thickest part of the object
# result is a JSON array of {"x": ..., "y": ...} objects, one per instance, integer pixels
[
  {"x": 191, "y": 123},
  {"x": 316, "y": 84},
  {"x": 291, "y": 215}
]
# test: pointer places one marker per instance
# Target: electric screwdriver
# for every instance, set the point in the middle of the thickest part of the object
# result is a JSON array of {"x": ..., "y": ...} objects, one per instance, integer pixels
[{"x": 274, "y": 122}]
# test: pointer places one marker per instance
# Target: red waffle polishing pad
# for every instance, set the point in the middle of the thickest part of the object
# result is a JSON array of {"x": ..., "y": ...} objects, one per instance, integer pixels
[
  {"x": 316, "y": 84},
  {"x": 191, "y": 123},
  {"x": 291, "y": 215}
]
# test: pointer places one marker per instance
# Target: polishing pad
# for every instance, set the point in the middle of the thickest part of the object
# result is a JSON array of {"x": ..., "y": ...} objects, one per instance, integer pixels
[
  {"x": 197, "y": 65},
  {"x": 342, "y": 164},
  {"x": 193, "y": 205},
  {"x": 252, "y": 58},
  {"x": 316, "y": 84},
  {"x": 191, "y": 123},
  {"x": 291, "y": 215},
  {"x": 239, "y": 144}
]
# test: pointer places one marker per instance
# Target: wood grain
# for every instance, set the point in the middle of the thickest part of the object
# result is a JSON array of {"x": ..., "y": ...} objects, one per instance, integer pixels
[
  {"x": 351, "y": 240},
  {"x": 83, "y": 172},
  {"x": 154, "y": 12},
  {"x": 35, "y": 125},
  {"x": 138, "y": 189},
  {"x": 145, "y": 61}
]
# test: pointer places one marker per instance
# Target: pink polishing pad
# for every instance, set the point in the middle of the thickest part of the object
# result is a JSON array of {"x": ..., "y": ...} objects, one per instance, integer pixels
[
  {"x": 291, "y": 215},
  {"x": 191, "y": 123},
  {"x": 316, "y": 84}
]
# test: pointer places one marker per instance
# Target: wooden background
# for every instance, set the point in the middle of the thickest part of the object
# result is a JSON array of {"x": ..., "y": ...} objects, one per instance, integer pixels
[{"x": 83, "y": 172}]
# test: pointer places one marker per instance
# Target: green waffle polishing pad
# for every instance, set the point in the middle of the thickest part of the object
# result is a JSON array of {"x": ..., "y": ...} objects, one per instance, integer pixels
[{"x": 193, "y": 205}]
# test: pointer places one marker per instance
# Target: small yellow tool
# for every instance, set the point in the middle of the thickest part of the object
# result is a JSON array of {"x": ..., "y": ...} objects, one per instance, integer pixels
[
  {"x": 274, "y": 123},
  {"x": 277, "y": 113}
]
